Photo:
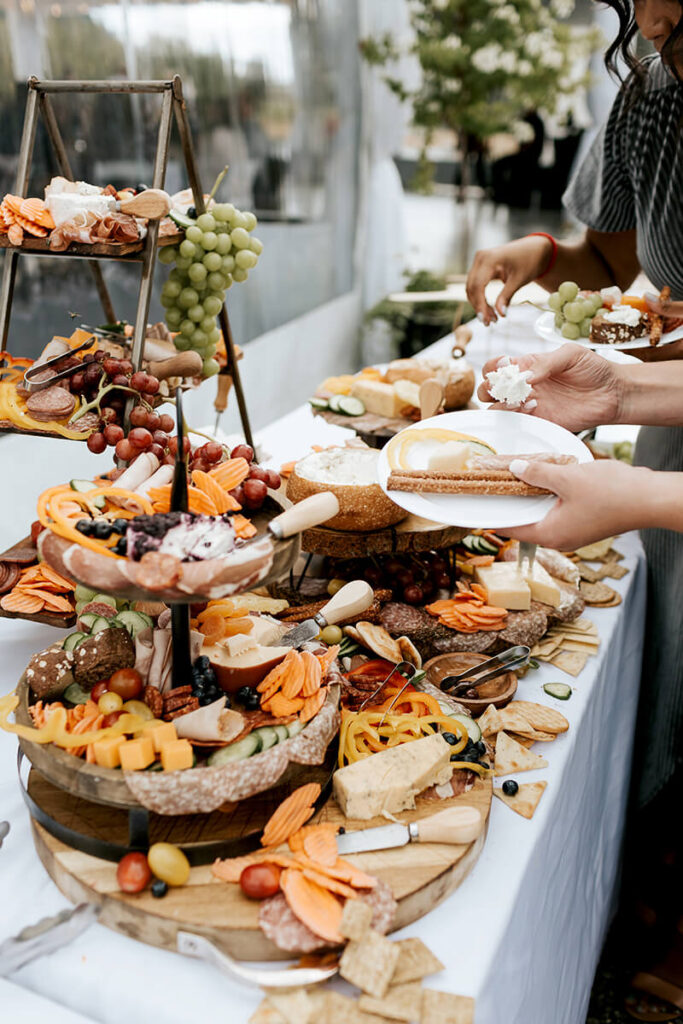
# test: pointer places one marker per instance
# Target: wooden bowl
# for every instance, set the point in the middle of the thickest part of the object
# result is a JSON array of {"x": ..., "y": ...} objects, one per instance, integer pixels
[{"x": 498, "y": 692}]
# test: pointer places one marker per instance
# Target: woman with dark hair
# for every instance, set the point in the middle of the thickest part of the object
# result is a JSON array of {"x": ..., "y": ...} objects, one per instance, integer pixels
[{"x": 629, "y": 193}]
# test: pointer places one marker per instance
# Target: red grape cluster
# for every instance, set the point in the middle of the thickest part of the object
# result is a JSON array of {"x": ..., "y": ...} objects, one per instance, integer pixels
[
  {"x": 105, "y": 384},
  {"x": 413, "y": 578},
  {"x": 252, "y": 492}
]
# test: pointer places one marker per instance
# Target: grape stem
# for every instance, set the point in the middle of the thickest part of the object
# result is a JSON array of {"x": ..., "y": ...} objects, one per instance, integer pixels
[
  {"x": 101, "y": 392},
  {"x": 217, "y": 182}
]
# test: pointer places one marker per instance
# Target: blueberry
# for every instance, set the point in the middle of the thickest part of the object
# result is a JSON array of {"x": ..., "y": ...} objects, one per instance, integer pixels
[
  {"x": 510, "y": 787},
  {"x": 102, "y": 530},
  {"x": 202, "y": 663},
  {"x": 253, "y": 701},
  {"x": 84, "y": 526},
  {"x": 210, "y": 676},
  {"x": 159, "y": 888},
  {"x": 481, "y": 747},
  {"x": 205, "y": 700},
  {"x": 450, "y": 737},
  {"x": 121, "y": 547},
  {"x": 119, "y": 525},
  {"x": 244, "y": 693},
  {"x": 140, "y": 187}
]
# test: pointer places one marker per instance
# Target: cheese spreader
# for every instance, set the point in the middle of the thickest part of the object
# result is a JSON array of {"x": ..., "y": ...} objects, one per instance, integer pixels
[
  {"x": 456, "y": 826},
  {"x": 350, "y": 600}
]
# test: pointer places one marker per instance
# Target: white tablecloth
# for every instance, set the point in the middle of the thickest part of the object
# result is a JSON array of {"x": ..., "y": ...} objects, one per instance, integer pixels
[{"x": 522, "y": 934}]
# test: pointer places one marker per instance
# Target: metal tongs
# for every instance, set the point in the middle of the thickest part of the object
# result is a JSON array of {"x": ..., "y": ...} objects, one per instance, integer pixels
[
  {"x": 32, "y": 385},
  {"x": 398, "y": 667},
  {"x": 506, "y": 661}
]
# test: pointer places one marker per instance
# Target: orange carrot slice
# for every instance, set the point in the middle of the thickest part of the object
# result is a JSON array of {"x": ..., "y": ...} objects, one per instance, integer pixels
[
  {"x": 291, "y": 814},
  {"x": 342, "y": 870},
  {"x": 296, "y": 840},
  {"x": 327, "y": 658},
  {"x": 320, "y": 845},
  {"x": 293, "y": 681},
  {"x": 313, "y": 674},
  {"x": 331, "y": 884},
  {"x": 312, "y": 705},
  {"x": 314, "y": 906},
  {"x": 243, "y": 527},
  {"x": 231, "y": 473},
  {"x": 281, "y": 706}
]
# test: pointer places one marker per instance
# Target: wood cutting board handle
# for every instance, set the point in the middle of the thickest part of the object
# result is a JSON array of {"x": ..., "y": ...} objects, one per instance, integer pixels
[
  {"x": 456, "y": 825},
  {"x": 351, "y": 600},
  {"x": 153, "y": 204}
]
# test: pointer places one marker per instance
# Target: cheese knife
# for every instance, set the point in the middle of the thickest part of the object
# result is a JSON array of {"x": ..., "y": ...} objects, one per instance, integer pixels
[
  {"x": 455, "y": 826},
  {"x": 527, "y": 553},
  {"x": 47, "y": 935},
  {"x": 350, "y": 600}
]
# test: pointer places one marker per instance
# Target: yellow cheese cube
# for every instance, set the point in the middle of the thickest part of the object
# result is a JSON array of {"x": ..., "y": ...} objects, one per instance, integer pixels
[
  {"x": 505, "y": 586},
  {"x": 159, "y": 732},
  {"x": 378, "y": 398},
  {"x": 177, "y": 755},
  {"x": 107, "y": 751},
  {"x": 136, "y": 754}
]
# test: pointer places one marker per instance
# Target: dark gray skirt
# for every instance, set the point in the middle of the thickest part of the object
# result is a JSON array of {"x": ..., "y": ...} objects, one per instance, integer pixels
[{"x": 659, "y": 731}]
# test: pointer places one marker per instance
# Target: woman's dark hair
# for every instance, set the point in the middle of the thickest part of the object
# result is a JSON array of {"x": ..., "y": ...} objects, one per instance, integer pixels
[{"x": 621, "y": 45}]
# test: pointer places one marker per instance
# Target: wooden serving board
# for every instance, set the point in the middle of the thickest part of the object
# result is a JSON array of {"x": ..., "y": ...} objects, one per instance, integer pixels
[
  {"x": 109, "y": 250},
  {"x": 420, "y": 876},
  {"x": 63, "y": 620},
  {"x": 412, "y": 534}
]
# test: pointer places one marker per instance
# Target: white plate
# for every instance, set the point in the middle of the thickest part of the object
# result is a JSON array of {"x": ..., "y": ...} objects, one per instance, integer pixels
[
  {"x": 545, "y": 328},
  {"x": 510, "y": 433}
]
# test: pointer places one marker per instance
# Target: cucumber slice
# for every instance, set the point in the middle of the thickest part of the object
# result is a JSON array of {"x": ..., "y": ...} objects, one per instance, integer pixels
[
  {"x": 479, "y": 545},
  {"x": 334, "y": 403},
  {"x": 350, "y": 406},
  {"x": 75, "y": 694},
  {"x": 181, "y": 219},
  {"x": 73, "y": 640},
  {"x": 268, "y": 736},
  {"x": 83, "y": 595},
  {"x": 282, "y": 732},
  {"x": 88, "y": 620},
  {"x": 473, "y": 730},
  {"x": 100, "y": 624},
  {"x": 561, "y": 691},
  {"x": 82, "y": 486},
  {"x": 105, "y": 599},
  {"x": 318, "y": 403},
  {"x": 134, "y": 622},
  {"x": 235, "y": 751},
  {"x": 294, "y": 728}
]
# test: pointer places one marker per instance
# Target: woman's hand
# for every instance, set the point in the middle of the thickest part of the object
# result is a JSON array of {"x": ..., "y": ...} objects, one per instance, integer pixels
[
  {"x": 516, "y": 264},
  {"x": 595, "y": 500},
  {"x": 572, "y": 386}
]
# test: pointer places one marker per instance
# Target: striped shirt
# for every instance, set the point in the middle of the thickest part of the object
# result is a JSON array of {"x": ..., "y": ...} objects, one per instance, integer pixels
[{"x": 632, "y": 177}]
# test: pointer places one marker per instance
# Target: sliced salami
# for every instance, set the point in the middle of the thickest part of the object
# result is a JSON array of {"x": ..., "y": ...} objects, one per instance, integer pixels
[
  {"x": 523, "y": 627},
  {"x": 9, "y": 575},
  {"x": 53, "y": 403},
  {"x": 285, "y": 930}
]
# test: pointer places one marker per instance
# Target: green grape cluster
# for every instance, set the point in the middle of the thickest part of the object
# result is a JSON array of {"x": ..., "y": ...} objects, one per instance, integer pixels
[
  {"x": 218, "y": 249},
  {"x": 574, "y": 312}
]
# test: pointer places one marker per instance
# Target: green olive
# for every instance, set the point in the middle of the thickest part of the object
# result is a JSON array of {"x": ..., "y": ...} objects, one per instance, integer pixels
[
  {"x": 334, "y": 585},
  {"x": 331, "y": 635}
]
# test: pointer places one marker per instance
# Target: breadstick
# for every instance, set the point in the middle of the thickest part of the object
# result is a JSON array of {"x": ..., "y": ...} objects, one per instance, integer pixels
[{"x": 656, "y": 321}]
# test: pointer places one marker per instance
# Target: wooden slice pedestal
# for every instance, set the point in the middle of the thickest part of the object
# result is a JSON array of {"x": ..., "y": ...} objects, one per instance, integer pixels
[
  {"x": 412, "y": 534},
  {"x": 420, "y": 876}
]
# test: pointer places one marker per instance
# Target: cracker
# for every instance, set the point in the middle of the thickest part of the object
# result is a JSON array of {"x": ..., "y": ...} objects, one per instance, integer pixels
[
  {"x": 489, "y": 722},
  {"x": 511, "y": 757},
  {"x": 401, "y": 1002},
  {"x": 445, "y": 1008},
  {"x": 596, "y": 593},
  {"x": 584, "y": 646},
  {"x": 524, "y": 741},
  {"x": 514, "y": 719},
  {"x": 336, "y": 1008},
  {"x": 526, "y": 799},
  {"x": 415, "y": 961},
  {"x": 614, "y": 571},
  {"x": 541, "y": 717},
  {"x": 370, "y": 963},
  {"x": 570, "y": 661},
  {"x": 295, "y": 1006},
  {"x": 586, "y": 572},
  {"x": 376, "y": 639},
  {"x": 597, "y": 551},
  {"x": 356, "y": 919},
  {"x": 266, "y": 1013},
  {"x": 612, "y": 603}
]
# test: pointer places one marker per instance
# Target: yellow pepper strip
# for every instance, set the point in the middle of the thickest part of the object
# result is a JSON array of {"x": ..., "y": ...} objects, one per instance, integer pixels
[
  {"x": 54, "y": 730},
  {"x": 51, "y": 516},
  {"x": 472, "y": 766},
  {"x": 368, "y": 732}
]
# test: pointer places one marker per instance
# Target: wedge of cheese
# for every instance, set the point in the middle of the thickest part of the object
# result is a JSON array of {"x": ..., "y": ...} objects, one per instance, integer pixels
[
  {"x": 543, "y": 587},
  {"x": 378, "y": 398},
  {"x": 505, "y": 586},
  {"x": 390, "y": 781}
]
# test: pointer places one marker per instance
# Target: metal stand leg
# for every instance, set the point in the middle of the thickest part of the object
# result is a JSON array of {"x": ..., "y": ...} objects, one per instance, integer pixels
[{"x": 138, "y": 828}]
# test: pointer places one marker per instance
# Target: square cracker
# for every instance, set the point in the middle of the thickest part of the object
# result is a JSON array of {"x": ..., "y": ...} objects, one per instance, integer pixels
[
  {"x": 266, "y": 1013},
  {"x": 445, "y": 1008},
  {"x": 526, "y": 799},
  {"x": 356, "y": 919},
  {"x": 401, "y": 1002},
  {"x": 337, "y": 1008},
  {"x": 512, "y": 757},
  {"x": 370, "y": 963},
  {"x": 415, "y": 961},
  {"x": 294, "y": 1006}
]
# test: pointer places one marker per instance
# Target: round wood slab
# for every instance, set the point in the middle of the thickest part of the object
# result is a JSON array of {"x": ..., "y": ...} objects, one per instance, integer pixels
[
  {"x": 420, "y": 875},
  {"x": 412, "y": 534}
]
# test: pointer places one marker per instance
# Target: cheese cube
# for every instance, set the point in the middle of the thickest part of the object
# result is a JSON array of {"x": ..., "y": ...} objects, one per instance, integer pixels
[
  {"x": 176, "y": 755},
  {"x": 543, "y": 587},
  {"x": 505, "y": 586},
  {"x": 239, "y": 644},
  {"x": 159, "y": 732},
  {"x": 136, "y": 754},
  {"x": 391, "y": 779},
  {"x": 378, "y": 398},
  {"x": 106, "y": 751},
  {"x": 451, "y": 457}
]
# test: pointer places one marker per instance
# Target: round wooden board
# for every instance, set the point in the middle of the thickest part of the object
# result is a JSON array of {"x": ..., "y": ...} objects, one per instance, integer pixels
[
  {"x": 420, "y": 875},
  {"x": 412, "y": 534}
]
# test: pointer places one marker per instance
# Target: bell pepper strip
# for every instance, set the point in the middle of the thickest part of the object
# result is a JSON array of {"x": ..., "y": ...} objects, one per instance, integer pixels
[
  {"x": 368, "y": 732},
  {"x": 54, "y": 730},
  {"x": 51, "y": 513},
  {"x": 21, "y": 418}
]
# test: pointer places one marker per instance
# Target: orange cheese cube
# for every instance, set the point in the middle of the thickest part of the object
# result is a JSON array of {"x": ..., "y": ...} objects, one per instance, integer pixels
[
  {"x": 107, "y": 751},
  {"x": 176, "y": 755},
  {"x": 159, "y": 732},
  {"x": 136, "y": 754}
]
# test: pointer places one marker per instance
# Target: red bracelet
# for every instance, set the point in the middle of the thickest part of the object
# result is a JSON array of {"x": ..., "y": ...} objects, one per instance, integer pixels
[{"x": 553, "y": 255}]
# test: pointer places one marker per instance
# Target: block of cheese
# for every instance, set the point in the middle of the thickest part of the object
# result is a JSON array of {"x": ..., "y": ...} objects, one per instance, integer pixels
[
  {"x": 451, "y": 457},
  {"x": 378, "y": 398},
  {"x": 136, "y": 754},
  {"x": 543, "y": 586},
  {"x": 505, "y": 586},
  {"x": 239, "y": 644},
  {"x": 391, "y": 779},
  {"x": 159, "y": 732},
  {"x": 176, "y": 755},
  {"x": 107, "y": 751}
]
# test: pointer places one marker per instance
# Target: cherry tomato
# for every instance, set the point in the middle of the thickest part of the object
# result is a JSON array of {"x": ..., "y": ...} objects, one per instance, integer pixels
[
  {"x": 127, "y": 683},
  {"x": 258, "y": 881},
  {"x": 98, "y": 689},
  {"x": 133, "y": 873},
  {"x": 169, "y": 863}
]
